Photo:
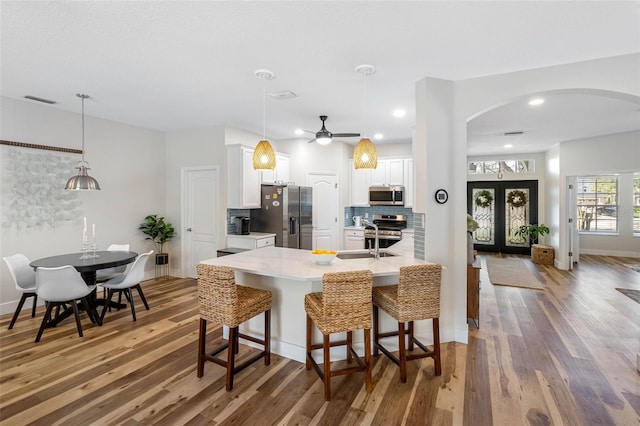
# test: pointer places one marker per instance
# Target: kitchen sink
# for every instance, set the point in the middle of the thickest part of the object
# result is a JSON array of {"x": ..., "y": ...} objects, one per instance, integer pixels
[{"x": 361, "y": 255}]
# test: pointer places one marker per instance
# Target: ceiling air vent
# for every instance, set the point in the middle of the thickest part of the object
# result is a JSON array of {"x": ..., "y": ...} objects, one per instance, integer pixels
[
  {"x": 285, "y": 94},
  {"x": 35, "y": 98},
  {"x": 513, "y": 133}
]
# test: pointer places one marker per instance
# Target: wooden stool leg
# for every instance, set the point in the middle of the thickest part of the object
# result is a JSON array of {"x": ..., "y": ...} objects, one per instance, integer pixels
[
  {"x": 309, "y": 332},
  {"x": 402, "y": 353},
  {"x": 201, "y": 345},
  {"x": 376, "y": 331},
  {"x": 436, "y": 346},
  {"x": 327, "y": 367},
  {"x": 349, "y": 346},
  {"x": 367, "y": 360},
  {"x": 231, "y": 356},
  {"x": 267, "y": 337},
  {"x": 411, "y": 338}
]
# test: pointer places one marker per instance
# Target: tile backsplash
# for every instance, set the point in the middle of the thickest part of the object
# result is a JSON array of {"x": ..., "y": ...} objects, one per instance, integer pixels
[
  {"x": 231, "y": 213},
  {"x": 350, "y": 212}
]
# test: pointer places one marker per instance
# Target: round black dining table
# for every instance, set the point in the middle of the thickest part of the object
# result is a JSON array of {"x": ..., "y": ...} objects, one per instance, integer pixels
[{"x": 87, "y": 269}]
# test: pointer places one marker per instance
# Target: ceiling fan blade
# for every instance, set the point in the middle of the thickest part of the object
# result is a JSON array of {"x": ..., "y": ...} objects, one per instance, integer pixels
[
  {"x": 312, "y": 140},
  {"x": 309, "y": 131},
  {"x": 345, "y": 135}
]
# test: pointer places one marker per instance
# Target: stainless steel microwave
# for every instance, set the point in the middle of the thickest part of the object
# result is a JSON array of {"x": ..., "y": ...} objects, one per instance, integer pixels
[{"x": 386, "y": 196}]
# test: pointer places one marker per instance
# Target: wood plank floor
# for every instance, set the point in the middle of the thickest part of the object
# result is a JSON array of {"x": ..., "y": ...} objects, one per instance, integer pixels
[{"x": 564, "y": 355}]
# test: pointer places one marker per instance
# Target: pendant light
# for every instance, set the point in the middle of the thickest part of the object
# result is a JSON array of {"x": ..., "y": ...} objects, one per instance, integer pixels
[
  {"x": 264, "y": 158},
  {"x": 82, "y": 181},
  {"x": 365, "y": 155}
]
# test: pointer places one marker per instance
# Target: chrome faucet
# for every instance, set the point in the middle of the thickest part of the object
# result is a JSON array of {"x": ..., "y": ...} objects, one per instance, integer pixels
[{"x": 376, "y": 251}]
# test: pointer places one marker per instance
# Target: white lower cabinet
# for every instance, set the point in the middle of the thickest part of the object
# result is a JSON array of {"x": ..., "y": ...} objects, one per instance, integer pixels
[
  {"x": 353, "y": 239},
  {"x": 255, "y": 240}
]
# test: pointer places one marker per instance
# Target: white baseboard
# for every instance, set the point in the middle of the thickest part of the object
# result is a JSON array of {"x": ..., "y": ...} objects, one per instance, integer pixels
[{"x": 613, "y": 253}]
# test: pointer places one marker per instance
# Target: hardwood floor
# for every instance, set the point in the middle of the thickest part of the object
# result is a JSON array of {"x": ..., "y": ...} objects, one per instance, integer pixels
[{"x": 562, "y": 355}]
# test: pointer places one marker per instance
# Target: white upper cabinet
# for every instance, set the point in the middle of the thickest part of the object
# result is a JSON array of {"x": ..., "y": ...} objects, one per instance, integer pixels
[
  {"x": 243, "y": 183},
  {"x": 360, "y": 183},
  {"x": 390, "y": 171},
  {"x": 281, "y": 173}
]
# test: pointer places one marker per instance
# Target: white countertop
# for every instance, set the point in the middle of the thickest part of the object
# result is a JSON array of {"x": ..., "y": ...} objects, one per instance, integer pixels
[
  {"x": 298, "y": 265},
  {"x": 354, "y": 227},
  {"x": 253, "y": 235}
]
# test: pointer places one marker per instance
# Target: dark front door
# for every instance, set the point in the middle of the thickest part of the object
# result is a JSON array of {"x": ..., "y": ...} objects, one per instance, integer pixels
[{"x": 500, "y": 208}]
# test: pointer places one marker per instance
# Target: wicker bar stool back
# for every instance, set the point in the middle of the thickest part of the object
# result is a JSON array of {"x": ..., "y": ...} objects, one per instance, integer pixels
[
  {"x": 343, "y": 306},
  {"x": 416, "y": 297},
  {"x": 222, "y": 301}
]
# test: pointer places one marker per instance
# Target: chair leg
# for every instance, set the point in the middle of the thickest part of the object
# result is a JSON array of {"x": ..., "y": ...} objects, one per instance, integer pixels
[
  {"x": 88, "y": 310},
  {"x": 107, "y": 303},
  {"x": 326, "y": 346},
  {"x": 18, "y": 309},
  {"x": 436, "y": 346},
  {"x": 309, "y": 332},
  {"x": 129, "y": 294},
  {"x": 46, "y": 317},
  {"x": 231, "y": 356},
  {"x": 376, "y": 331},
  {"x": 33, "y": 308},
  {"x": 411, "y": 338},
  {"x": 77, "y": 315},
  {"x": 144, "y": 299},
  {"x": 267, "y": 337},
  {"x": 402, "y": 353},
  {"x": 367, "y": 360},
  {"x": 202, "y": 334},
  {"x": 349, "y": 346}
]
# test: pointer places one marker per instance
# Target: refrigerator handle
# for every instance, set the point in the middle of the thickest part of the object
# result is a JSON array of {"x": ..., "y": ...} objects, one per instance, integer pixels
[{"x": 293, "y": 226}]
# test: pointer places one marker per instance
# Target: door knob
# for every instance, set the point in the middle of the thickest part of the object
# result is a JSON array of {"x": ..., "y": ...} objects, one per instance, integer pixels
[{"x": 189, "y": 229}]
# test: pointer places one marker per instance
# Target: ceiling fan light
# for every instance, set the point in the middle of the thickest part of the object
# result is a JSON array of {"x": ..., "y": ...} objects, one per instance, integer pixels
[
  {"x": 324, "y": 140},
  {"x": 365, "y": 155},
  {"x": 264, "y": 158}
]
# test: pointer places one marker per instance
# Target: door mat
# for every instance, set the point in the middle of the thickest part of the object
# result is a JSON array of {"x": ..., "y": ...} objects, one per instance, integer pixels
[
  {"x": 511, "y": 272},
  {"x": 634, "y": 266},
  {"x": 631, "y": 294}
]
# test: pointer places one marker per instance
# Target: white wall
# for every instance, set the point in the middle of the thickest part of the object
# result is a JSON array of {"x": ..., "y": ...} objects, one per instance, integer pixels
[
  {"x": 609, "y": 154},
  {"x": 128, "y": 162}
]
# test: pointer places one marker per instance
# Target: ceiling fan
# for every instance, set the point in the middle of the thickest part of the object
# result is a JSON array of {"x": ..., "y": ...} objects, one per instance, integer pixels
[{"x": 324, "y": 137}]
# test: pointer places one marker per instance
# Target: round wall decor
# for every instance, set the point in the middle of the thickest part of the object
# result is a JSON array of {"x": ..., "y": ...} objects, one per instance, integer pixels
[{"x": 441, "y": 196}]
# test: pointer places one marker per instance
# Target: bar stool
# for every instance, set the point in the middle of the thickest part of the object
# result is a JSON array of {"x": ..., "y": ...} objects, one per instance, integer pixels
[
  {"x": 222, "y": 301},
  {"x": 416, "y": 297},
  {"x": 343, "y": 305}
]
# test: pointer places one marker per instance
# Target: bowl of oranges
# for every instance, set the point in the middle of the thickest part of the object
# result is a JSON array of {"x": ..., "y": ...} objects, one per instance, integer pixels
[{"x": 323, "y": 257}]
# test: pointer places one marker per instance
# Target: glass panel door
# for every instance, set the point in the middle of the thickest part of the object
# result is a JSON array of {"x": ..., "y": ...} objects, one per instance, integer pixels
[{"x": 501, "y": 208}]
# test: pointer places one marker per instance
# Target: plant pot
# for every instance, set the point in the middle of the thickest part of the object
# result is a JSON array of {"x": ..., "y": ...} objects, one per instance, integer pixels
[
  {"x": 162, "y": 258},
  {"x": 470, "y": 254}
]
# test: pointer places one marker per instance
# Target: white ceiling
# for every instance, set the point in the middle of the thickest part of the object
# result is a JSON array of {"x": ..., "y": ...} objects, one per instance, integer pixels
[{"x": 177, "y": 65}]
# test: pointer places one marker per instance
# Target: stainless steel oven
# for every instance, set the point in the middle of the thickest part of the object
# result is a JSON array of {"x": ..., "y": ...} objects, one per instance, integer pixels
[{"x": 390, "y": 228}]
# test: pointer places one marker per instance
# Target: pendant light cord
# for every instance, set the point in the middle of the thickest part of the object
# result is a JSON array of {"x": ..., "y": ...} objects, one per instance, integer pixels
[
  {"x": 82, "y": 97},
  {"x": 264, "y": 109}
]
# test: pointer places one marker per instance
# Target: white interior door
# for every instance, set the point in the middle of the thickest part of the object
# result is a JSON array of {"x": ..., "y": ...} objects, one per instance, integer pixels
[
  {"x": 325, "y": 210},
  {"x": 200, "y": 213}
]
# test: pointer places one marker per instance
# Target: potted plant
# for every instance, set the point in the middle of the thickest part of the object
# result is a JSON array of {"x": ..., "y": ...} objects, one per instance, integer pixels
[
  {"x": 532, "y": 232},
  {"x": 159, "y": 232}
]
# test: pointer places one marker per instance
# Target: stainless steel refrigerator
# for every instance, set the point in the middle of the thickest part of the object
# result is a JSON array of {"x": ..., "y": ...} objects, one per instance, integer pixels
[{"x": 285, "y": 211}]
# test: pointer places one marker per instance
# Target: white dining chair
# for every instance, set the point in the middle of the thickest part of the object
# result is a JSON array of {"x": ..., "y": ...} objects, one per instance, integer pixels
[
  {"x": 59, "y": 286},
  {"x": 127, "y": 281},
  {"x": 24, "y": 278},
  {"x": 106, "y": 274}
]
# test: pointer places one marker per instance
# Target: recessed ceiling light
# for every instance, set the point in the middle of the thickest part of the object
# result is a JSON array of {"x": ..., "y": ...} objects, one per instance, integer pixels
[
  {"x": 299, "y": 132},
  {"x": 508, "y": 145},
  {"x": 399, "y": 113},
  {"x": 378, "y": 136},
  {"x": 536, "y": 101}
]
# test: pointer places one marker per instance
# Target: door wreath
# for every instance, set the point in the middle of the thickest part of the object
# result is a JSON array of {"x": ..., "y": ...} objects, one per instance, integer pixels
[
  {"x": 483, "y": 199},
  {"x": 517, "y": 198}
]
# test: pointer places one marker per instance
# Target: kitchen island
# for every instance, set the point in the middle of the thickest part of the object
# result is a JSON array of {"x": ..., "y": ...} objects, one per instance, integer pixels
[{"x": 290, "y": 274}]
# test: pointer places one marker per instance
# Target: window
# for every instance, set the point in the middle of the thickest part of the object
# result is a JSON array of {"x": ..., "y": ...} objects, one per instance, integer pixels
[
  {"x": 597, "y": 204},
  {"x": 636, "y": 204},
  {"x": 500, "y": 166}
]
